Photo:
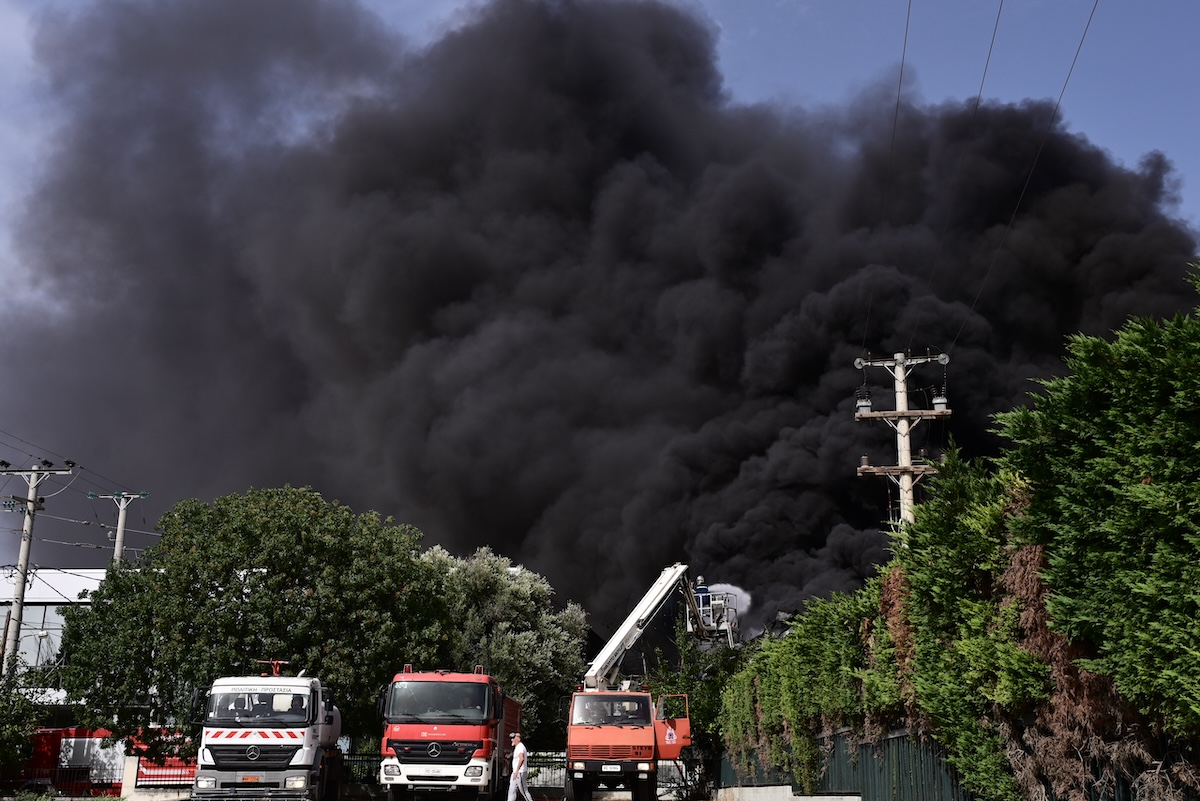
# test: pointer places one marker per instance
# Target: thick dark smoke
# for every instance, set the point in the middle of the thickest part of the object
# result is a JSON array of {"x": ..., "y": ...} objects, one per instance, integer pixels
[{"x": 541, "y": 285}]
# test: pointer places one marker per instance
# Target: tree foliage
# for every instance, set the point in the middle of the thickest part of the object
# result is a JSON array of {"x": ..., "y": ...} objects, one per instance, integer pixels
[
  {"x": 701, "y": 671},
  {"x": 505, "y": 620},
  {"x": 1113, "y": 452},
  {"x": 285, "y": 574},
  {"x": 1039, "y": 616},
  {"x": 934, "y": 641},
  {"x": 835, "y": 668},
  {"x": 969, "y": 668},
  {"x": 19, "y": 713}
]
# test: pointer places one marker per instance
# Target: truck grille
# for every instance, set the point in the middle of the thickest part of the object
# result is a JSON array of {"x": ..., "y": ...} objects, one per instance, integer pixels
[
  {"x": 435, "y": 752},
  {"x": 252, "y": 757},
  {"x": 610, "y": 752}
]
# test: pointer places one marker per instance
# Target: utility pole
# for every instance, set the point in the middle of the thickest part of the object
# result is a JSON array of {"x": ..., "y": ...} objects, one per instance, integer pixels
[
  {"x": 33, "y": 477},
  {"x": 902, "y": 420},
  {"x": 122, "y": 500}
]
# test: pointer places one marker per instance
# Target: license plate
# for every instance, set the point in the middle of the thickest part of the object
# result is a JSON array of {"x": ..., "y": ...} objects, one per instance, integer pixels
[
  {"x": 611, "y": 768},
  {"x": 251, "y": 778}
]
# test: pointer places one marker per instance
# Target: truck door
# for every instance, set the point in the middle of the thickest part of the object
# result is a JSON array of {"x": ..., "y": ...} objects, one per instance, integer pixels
[{"x": 672, "y": 726}]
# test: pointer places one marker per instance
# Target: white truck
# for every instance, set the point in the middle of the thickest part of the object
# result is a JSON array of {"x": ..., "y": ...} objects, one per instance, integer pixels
[{"x": 269, "y": 737}]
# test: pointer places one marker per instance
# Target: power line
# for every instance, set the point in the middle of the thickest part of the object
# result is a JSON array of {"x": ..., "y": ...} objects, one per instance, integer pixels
[
  {"x": 76, "y": 544},
  {"x": 887, "y": 181},
  {"x": 1029, "y": 176},
  {"x": 108, "y": 482},
  {"x": 941, "y": 240},
  {"x": 99, "y": 524}
]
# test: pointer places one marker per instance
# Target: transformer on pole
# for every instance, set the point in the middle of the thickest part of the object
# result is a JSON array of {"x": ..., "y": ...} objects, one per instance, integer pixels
[{"x": 902, "y": 420}]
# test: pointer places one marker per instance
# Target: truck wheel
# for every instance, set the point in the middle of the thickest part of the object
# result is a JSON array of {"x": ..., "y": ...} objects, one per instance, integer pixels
[
  {"x": 578, "y": 790},
  {"x": 646, "y": 790},
  {"x": 333, "y": 787}
]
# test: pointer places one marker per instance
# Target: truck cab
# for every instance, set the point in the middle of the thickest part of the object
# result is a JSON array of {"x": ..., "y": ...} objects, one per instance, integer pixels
[
  {"x": 444, "y": 733},
  {"x": 269, "y": 737}
]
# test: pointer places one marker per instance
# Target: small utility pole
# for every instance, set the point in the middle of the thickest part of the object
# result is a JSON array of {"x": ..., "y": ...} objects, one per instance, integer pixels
[
  {"x": 904, "y": 472},
  {"x": 122, "y": 500},
  {"x": 33, "y": 477}
]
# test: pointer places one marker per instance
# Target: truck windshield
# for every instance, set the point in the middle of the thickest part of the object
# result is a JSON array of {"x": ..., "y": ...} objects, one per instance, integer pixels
[
  {"x": 438, "y": 700},
  {"x": 259, "y": 708},
  {"x": 610, "y": 710}
]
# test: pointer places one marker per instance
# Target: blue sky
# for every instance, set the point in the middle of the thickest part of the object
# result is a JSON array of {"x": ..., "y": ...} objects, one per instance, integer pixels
[{"x": 1132, "y": 89}]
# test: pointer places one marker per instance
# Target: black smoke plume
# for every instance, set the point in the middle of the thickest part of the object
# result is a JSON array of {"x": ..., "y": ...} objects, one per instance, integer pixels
[{"x": 542, "y": 285}]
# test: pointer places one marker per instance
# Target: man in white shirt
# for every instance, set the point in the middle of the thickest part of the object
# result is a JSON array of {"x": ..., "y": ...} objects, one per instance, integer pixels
[{"x": 520, "y": 769}]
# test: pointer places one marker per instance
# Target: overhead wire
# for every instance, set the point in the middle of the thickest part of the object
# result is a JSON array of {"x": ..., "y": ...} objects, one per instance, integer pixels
[
  {"x": 99, "y": 524},
  {"x": 77, "y": 544},
  {"x": 33, "y": 454},
  {"x": 884, "y": 201},
  {"x": 1029, "y": 175},
  {"x": 79, "y": 476},
  {"x": 941, "y": 240}
]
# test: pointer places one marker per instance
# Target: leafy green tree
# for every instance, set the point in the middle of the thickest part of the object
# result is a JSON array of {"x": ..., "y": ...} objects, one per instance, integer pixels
[
  {"x": 834, "y": 668},
  {"x": 269, "y": 574},
  {"x": 968, "y": 667},
  {"x": 1081, "y": 541},
  {"x": 701, "y": 672},
  {"x": 1113, "y": 453},
  {"x": 505, "y": 619},
  {"x": 19, "y": 715}
]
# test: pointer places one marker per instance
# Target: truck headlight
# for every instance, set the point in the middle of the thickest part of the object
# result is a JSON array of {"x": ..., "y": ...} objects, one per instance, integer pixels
[
  {"x": 295, "y": 782},
  {"x": 643, "y": 766},
  {"x": 576, "y": 766},
  {"x": 205, "y": 782},
  {"x": 391, "y": 770},
  {"x": 474, "y": 770}
]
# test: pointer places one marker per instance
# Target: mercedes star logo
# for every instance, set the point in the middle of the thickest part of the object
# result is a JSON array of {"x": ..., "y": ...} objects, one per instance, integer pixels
[
  {"x": 252, "y": 753},
  {"x": 435, "y": 750}
]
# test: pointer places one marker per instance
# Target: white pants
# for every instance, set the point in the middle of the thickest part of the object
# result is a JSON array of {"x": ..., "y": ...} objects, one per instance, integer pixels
[{"x": 519, "y": 781}]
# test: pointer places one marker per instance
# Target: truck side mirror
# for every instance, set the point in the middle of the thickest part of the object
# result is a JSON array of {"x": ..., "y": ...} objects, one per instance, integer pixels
[
  {"x": 197, "y": 709},
  {"x": 381, "y": 701}
]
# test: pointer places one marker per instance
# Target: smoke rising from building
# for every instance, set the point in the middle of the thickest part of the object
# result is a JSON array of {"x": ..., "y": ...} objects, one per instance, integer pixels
[{"x": 541, "y": 285}]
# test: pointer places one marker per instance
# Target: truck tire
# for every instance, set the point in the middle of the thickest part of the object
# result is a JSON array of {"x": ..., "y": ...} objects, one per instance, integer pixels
[
  {"x": 578, "y": 789},
  {"x": 329, "y": 774},
  {"x": 333, "y": 787},
  {"x": 646, "y": 790}
]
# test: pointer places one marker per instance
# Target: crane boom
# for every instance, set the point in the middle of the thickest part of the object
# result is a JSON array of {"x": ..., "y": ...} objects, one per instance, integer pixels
[{"x": 714, "y": 620}]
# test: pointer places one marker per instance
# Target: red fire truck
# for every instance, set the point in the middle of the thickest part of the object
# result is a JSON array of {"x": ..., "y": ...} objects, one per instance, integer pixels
[{"x": 444, "y": 732}]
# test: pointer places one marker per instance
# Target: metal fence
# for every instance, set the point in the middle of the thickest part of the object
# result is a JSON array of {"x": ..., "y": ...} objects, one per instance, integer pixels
[
  {"x": 362, "y": 769},
  {"x": 77, "y": 781}
]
